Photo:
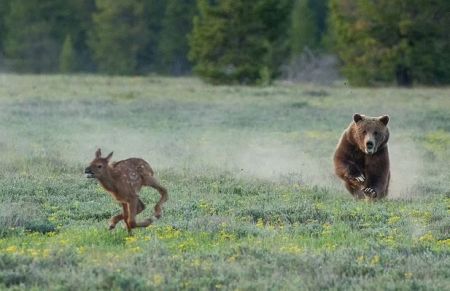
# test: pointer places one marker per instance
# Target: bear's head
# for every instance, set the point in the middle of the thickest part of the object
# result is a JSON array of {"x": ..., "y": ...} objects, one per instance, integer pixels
[{"x": 370, "y": 133}]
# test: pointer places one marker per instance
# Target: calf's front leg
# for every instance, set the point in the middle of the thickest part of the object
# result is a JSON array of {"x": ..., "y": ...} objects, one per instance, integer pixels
[
  {"x": 117, "y": 218},
  {"x": 133, "y": 207}
]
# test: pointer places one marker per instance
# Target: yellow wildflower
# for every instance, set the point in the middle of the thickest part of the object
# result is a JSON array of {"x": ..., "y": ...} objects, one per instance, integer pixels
[
  {"x": 135, "y": 250},
  {"x": 428, "y": 237},
  {"x": 130, "y": 239},
  {"x": 158, "y": 279},
  {"x": 45, "y": 253},
  {"x": 33, "y": 252},
  {"x": 11, "y": 249},
  {"x": 445, "y": 242},
  {"x": 231, "y": 259},
  {"x": 375, "y": 260},
  {"x": 260, "y": 223},
  {"x": 291, "y": 248},
  {"x": 393, "y": 219},
  {"x": 196, "y": 263}
]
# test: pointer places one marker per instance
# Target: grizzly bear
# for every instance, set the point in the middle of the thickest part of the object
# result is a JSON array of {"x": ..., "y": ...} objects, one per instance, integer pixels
[{"x": 362, "y": 159}]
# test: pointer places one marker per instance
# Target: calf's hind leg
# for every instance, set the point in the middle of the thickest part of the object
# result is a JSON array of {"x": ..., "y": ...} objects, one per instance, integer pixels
[{"x": 152, "y": 182}]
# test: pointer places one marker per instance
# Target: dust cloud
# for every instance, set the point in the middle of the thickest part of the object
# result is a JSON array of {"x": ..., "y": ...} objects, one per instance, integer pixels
[
  {"x": 250, "y": 156},
  {"x": 406, "y": 168}
]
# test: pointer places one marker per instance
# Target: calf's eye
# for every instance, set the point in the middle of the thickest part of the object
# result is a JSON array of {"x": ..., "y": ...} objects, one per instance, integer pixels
[{"x": 99, "y": 166}]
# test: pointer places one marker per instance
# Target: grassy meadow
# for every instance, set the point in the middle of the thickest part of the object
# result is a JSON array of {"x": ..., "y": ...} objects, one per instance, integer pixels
[{"x": 254, "y": 204}]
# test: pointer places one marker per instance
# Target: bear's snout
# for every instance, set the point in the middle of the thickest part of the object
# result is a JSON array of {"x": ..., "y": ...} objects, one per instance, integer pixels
[{"x": 370, "y": 147}]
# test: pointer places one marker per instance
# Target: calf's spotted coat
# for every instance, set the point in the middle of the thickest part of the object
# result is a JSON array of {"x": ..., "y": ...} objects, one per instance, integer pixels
[{"x": 123, "y": 180}]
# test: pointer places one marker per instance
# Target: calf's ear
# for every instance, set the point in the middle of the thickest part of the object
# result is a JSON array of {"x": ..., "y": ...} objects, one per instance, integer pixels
[
  {"x": 98, "y": 153},
  {"x": 109, "y": 156},
  {"x": 384, "y": 119}
]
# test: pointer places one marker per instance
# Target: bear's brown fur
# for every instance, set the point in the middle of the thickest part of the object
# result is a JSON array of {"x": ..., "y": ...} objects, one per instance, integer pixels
[{"x": 362, "y": 159}]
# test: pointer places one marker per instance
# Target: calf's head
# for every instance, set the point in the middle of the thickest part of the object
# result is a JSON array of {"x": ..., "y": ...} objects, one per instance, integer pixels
[{"x": 98, "y": 166}]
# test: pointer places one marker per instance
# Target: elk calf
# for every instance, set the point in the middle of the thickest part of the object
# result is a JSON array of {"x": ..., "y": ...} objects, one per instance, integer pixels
[{"x": 124, "y": 179}]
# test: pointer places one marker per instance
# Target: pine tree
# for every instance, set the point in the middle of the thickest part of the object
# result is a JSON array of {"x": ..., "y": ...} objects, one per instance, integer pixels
[
  {"x": 173, "y": 45},
  {"x": 67, "y": 56},
  {"x": 275, "y": 15},
  {"x": 392, "y": 40},
  {"x": 4, "y": 11},
  {"x": 308, "y": 26},
  {"x": 235, "y": 41},
  {"x": 119, "y": 35},
  {"x": 30, "y": 43},
  {"x": 35, "y": 31},
  {"x": 81, "y": 23},
  {"x": 148, "y": 58},
  {"x": 304, "y": 31}
]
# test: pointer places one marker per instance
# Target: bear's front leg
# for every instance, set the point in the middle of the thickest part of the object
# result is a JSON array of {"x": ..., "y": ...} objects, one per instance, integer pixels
[
  {"x": 356, "y": 180},
  {"x": 377, "y": 180},
  {"x": 375, "y": 190},
  {"x": 376, "y": 187},
  {"x": 370, "y": 192},
  {"x": 354, "y": 176}
]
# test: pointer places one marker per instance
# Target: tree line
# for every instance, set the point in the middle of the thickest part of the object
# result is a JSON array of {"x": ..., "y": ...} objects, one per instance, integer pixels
[{"x": 228, "y": 41}]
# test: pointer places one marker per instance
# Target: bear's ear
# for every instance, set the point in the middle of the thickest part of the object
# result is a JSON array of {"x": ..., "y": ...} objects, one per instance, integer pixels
[
  {"x": 384, "y": 119},
  {"x": 357, "y": 117}
]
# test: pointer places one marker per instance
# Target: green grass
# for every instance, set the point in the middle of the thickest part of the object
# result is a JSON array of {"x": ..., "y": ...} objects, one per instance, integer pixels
[{"x": 253, "y": 201}]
